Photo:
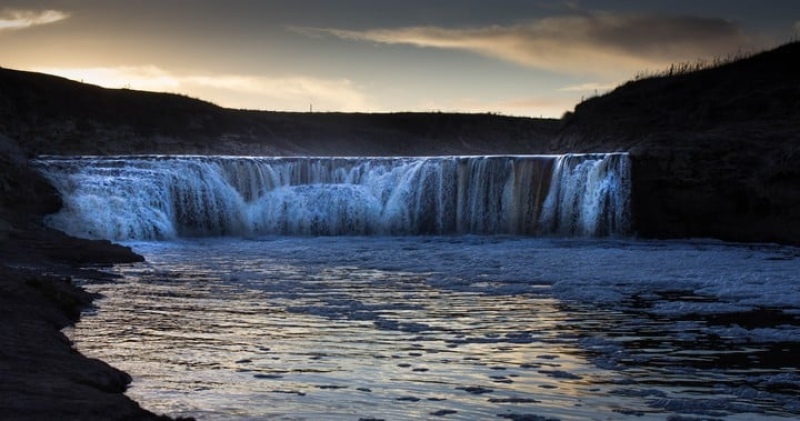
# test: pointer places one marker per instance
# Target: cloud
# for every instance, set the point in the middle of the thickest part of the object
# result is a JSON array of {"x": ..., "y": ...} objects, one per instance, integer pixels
[
  {"x": 797, "y": 28},
  {"x": 236, "y": 91},
  {"x": 11, "y": 19},
  {"x": 585, "y": 43}
]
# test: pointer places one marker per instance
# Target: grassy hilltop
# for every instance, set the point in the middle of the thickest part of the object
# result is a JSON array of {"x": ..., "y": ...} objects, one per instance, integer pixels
[
  {"x": 716, "y": 151},
  {"x": 52, "y": 115}
]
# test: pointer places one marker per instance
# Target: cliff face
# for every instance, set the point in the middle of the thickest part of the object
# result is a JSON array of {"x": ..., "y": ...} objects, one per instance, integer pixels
[
  {"x": 742, "y": 186},
  {"x": 715, "y": 152}
]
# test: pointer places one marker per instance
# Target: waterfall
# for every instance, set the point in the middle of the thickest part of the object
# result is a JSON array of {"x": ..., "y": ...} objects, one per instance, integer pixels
[
  {"x": 588, "y": 197},
  {"x": 166, "y": 197}
]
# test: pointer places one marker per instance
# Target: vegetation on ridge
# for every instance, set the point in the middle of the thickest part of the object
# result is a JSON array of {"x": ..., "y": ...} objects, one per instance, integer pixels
[
  {"x": 52, "y": 115},
  {"x": 715, "y": 151},
  {"x": 760, "y": 90}
]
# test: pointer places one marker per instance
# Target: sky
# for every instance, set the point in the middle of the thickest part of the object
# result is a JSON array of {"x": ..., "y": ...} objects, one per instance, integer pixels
[{"x": 514, "y": 57}]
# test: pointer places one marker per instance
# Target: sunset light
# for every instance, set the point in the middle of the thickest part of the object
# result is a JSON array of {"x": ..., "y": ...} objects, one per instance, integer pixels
[{"x": 523, "y": 58}]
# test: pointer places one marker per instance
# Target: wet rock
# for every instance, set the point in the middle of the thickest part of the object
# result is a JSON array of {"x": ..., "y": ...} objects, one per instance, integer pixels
[
  {"x": 475, "y": 390},
  {"x": 443, "y": 412}
]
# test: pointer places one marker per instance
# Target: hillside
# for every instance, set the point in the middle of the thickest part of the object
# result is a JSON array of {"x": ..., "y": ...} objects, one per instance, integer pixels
[
  {"x": 758, "y": 92},
  {"x": 716, "y": 152},
  {"x": 52, "y": 115}
]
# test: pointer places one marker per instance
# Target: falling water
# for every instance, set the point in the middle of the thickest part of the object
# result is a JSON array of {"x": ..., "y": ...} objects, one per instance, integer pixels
[{"x": 166, "y": 197}]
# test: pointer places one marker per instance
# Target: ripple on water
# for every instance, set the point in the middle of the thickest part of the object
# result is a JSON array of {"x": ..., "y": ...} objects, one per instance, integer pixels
[{"x": 517, "y": 328}]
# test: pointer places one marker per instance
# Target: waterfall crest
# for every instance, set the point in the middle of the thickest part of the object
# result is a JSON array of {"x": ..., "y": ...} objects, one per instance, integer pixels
[{"x": 166, "y": 197}]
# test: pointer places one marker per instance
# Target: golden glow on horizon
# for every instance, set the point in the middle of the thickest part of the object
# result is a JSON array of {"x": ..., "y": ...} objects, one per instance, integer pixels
[
  {"x": 590, "y": 86},
  {"x": 234, "y": 91},
  {"x": 146, "y": 78},
  {"x": 264, "y": 93},
  {"x": 537, "y": 63}
]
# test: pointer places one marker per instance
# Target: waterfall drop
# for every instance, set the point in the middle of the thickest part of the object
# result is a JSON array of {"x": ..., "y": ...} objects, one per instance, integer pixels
[{"x": 166, "y": 197}]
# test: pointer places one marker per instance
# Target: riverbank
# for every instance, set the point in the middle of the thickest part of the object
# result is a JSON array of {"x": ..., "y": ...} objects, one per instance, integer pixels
[{"x": 41, "y": 375}]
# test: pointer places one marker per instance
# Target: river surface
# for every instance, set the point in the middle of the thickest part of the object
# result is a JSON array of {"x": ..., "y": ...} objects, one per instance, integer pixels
[{"x": 455, "y": 328}]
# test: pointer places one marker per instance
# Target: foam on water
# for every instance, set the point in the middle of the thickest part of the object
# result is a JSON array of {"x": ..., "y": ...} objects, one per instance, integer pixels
[
  {"x": 471, "y": 327},
  {"x": 166, "y": 197}
]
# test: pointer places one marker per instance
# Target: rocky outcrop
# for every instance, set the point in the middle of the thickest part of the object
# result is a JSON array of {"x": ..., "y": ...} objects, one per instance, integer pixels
[
  {"x": 715, "y": 152},
  {"x": 23, "y": 192},
  {"x": 729, "y": 186},
  {"x": 42, "y": 375}
]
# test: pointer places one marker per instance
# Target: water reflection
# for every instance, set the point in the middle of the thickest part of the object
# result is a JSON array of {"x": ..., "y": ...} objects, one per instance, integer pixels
[{"x": 334, "y": 329}]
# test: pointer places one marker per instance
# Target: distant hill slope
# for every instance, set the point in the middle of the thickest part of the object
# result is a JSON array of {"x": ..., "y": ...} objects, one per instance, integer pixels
[
  {"x": 761, "y": 91},
  {"x": 48, "y": 114},
  {"x": 716, "y": 152}
]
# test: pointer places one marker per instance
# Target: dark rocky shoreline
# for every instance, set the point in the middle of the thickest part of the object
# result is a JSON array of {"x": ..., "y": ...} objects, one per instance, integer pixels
[{"x": 41, "y": 375}]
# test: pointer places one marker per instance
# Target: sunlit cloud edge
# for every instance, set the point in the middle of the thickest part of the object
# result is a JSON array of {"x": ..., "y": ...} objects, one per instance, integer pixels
[{"x": 16, "y": 19}]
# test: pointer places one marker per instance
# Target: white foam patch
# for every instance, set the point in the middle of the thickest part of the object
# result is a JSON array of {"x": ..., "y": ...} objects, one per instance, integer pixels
[
  {"x": 674, "y": 279},
  {"x": 719, "y": 277}
]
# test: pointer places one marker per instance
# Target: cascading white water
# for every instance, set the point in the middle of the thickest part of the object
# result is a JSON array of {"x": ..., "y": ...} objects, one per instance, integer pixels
[
  {"x": 588, "y": 197},
  {"x": 164, "y": 197}
]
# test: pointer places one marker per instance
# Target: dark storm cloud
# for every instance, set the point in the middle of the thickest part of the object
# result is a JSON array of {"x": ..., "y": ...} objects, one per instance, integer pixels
[
  {"x": 653, "y": 34},
  {"x": 581, "y": 43}
]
